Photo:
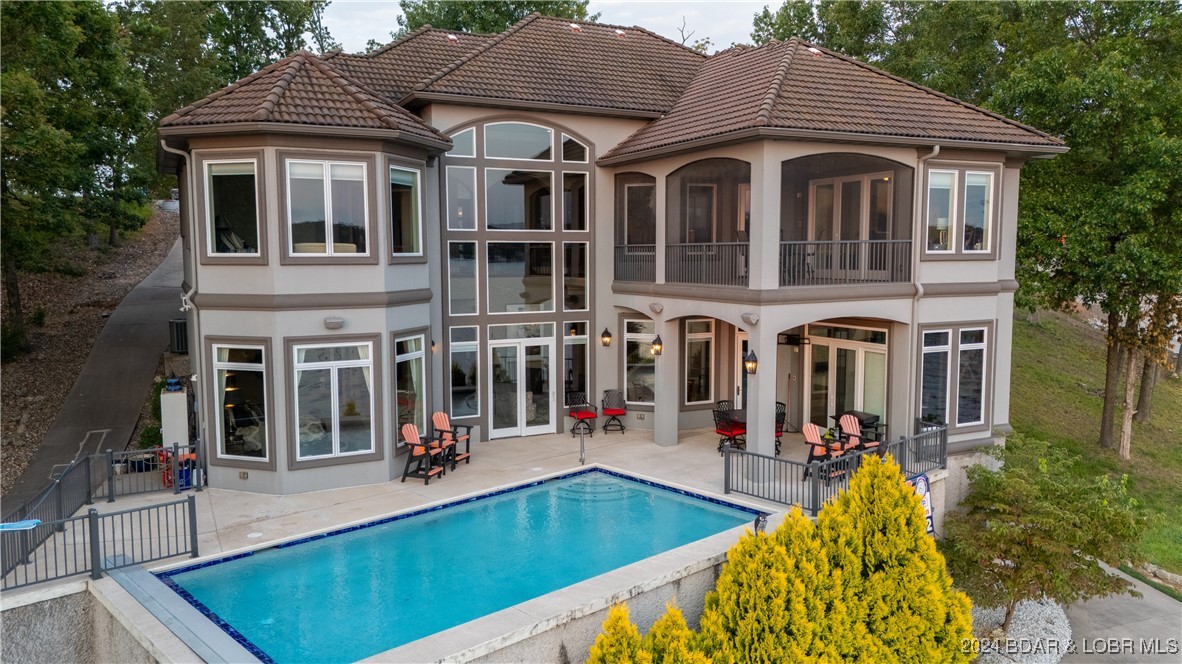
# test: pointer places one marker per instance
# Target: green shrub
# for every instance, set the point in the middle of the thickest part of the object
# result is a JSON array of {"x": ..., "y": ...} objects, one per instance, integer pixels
[
  {"x": 619, "y": 643},
  {"x": 37, "y": 318},
  {"x": 12, "y": 344},
  {"x": 151, "y": 436},
  {"x": 157, "y": 388}
]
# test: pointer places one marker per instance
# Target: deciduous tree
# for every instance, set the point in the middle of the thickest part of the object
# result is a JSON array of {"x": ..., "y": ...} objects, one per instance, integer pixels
[{"x": 487, "y": 16}]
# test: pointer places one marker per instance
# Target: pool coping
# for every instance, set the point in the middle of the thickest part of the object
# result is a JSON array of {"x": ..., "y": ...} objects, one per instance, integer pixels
[{"x": 493, "y": 631}]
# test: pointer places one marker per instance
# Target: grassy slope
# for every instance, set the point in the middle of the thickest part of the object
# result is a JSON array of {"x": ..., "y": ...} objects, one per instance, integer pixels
[{"x": 1057, "y": 394}]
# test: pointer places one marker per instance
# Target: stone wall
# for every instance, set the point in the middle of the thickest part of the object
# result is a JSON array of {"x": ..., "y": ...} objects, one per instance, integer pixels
[{"x": 65, "y": 623}]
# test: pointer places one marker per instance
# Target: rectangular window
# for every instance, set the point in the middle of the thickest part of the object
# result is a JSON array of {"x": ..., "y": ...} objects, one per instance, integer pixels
[
  {"x": 241, "y": 373},
  {"x": 461, "y": 198},
  {"x": 520, "y": 276},
  {"x": 933, "y": 399},
  {"x": 941, "y": 206},
  {"x": 410, "y": 390},
  {"x": 639, "y": 369},
  {"x": 699, "y": 353},
  {"x": 232, "y": 221},
  {"x": 327, "y": 200},
  {"x": 518, "y": 200},
  {"x": 978, "y": 203},
  {"x": 334, "y": 400},
  {"x": 461, "y": 282},
  {"x": 517, "y": 140},
  {"x": 574, "y": 276},
  {"x": 465, "y": 371},
  {"x": 640, "y": 214},
  {"x": 575, "y": 371},
  {"x": 970, "y": 382},
  {"x": 405, "y": 226},
  {"x": 574, "y": 201}
]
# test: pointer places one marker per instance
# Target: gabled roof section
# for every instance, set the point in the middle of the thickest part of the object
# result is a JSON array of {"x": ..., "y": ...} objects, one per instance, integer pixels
[
  {"x": 785, "y": 87},
  {"x": 557, "y": 62},
  {"x": 302, "y": 89},
  {"x": 393, "y": 70}
]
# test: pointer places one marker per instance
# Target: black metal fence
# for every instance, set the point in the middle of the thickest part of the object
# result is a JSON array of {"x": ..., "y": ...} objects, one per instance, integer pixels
[
  {"x": 811, "y": 485},
  {"x": 94, "y": 542}
]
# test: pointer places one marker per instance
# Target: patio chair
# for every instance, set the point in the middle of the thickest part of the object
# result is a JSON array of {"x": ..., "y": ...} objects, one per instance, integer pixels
[
  {"x": 724, "y": 404},
  {"x": 851, "y": 433},
  {"x": 427, "y": 458},
  {"x": 582, "y": 412},
  {"x": 614, "y": 407},
  {"x": 450, "y": 436},
  {"x": 819, "y": 452},
  {"x": 781, "y": 417},
  {"x": 729, "y": 431}
]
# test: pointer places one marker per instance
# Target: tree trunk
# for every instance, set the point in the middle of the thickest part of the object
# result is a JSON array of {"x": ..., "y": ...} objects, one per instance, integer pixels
[
  {"x": 1111, "y": 381},
  {"x": 1178, "y": 362},
  {"x": 1149, "y": 376},
  {"x": 113, "y": 238},
  {"x": 92, "y": 242},
  {"x": 16, "y": 315},
  {"x": 1126, "y": 420},
  {"x": 1010, "y": 610}
]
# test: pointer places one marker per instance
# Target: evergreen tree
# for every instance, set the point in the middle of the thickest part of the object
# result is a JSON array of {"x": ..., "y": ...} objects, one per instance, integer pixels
[
  {"x": 619, "y": 643},
  {"x": 669, "y": 640}
]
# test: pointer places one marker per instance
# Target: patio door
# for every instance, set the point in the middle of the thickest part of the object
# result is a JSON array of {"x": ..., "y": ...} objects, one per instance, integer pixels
[
  {"x": 521, "y": 385},
  {"x": 740, "y": 374},
  {"x": 843, "y": 376},
  {"x": 846, "y": 212}
]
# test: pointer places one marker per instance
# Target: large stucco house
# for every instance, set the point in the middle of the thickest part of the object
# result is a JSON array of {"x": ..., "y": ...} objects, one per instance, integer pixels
[{"x": 453, "y": 222}]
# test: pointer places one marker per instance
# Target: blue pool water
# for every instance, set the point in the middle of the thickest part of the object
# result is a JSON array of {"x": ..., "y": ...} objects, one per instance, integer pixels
[{"x": 351, "y": 594}]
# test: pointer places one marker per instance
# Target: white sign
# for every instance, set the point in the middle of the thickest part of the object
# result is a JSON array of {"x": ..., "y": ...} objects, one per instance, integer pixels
[{"x": 920, "y": 482}]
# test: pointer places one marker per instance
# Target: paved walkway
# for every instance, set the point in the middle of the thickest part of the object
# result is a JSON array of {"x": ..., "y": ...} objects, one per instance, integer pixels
[
  {"x": 102, "y": 407},
  {"x": 1123, "y": 628}
]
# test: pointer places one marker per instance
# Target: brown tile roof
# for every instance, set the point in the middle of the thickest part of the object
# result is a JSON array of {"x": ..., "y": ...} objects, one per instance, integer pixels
[
  {"x": 393, "y": 70},
  {"x": 794, "y": 85},
  {"x": 301, "y": 89},
  {"x": 544, "y": 60}
]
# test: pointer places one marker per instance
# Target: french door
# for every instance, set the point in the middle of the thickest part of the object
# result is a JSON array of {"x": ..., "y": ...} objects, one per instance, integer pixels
[
  {"x": 844, "y": 376},
  {"x": 846, "y": 211},
  {"x": 521, "y": 385}
]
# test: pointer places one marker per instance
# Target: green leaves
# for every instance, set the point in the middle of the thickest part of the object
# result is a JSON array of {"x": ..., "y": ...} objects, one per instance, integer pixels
[{"x": 486, "y": 16}]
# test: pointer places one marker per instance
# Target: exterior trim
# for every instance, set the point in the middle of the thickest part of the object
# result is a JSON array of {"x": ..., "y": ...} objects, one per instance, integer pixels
[
  {"x": 270, "y": 375},
  {"x": 373, "y": 247},
  {"x": 289, "y": 344},
  {"x": 974, "y": 445},
  {"x": 798, "y": 295},
  {"x": 433, "y": 145},
  {"x": 307, "y": 301},
  {"x": 204, "y": 256},
  {"x": 419, "y": 99},
  {"x": 957, "y": 289}
]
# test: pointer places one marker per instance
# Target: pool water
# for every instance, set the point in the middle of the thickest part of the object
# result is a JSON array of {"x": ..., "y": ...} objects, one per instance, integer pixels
[{"x": 365, "y": 590}]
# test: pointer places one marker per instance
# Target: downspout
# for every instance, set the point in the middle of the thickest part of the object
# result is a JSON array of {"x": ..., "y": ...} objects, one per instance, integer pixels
[
  {"x": 916, "y": 250},
  {"x": 187, "y": 305}
]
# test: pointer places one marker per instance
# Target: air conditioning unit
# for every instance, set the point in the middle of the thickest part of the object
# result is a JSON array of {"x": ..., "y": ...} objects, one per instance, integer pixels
[{"x": 178, "y": 335}]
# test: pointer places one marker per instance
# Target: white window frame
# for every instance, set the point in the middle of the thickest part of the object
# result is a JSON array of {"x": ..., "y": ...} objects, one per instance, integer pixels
[
  {"x": 988, "y": 244},
  {"x": 209, "y": 222},
  {"x": 961, "y": 347},
  {"x": 953, "y": 210},
  {"x": 475, "y": 278},
  {"x": 577, "y": 340},
  {"x": 946, "y": 349},
  {"x": 489, "y": 170},
  {"x": 219, "y": 399},
  {"x": 421, "y": 356},
  {"x": 586, "y": 149},
  {"x": 327, "y": 165},
  {"x": 455, "y": 154},
  {"x": 488, "y": 155},
  {"x": 640, "y": 337},
  {"x": 418, "y": 175},
  {"x": 698, "y": 336},
  {"x": 475, "y": 199},
  {"x": 334, "y": 395},
  {"x": 586, "y": 203},
  {"x": 555, "y": 292},
  {"x": 473, "y": 347}
]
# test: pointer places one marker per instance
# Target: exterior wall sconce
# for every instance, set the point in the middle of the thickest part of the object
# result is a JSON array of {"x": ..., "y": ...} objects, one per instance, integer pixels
[
  {"x": 658, "y": 346},
  {"x": 606, "y": 338},
  {"x": 333, "y": 323},
  {"x": 751, "y": 363}
]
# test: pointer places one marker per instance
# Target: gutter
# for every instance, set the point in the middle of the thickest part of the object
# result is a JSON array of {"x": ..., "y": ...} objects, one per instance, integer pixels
[
  {"x": 916, "y": 250},
  {"x": 432, "y": 144}
]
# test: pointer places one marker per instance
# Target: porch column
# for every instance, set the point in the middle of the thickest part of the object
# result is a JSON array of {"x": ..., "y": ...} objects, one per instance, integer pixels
[
  {"x": 761, "y": 392},
  {"x": 668, "y": 386},
  {"x": 661, "y": 236},
  {"x": 764, "y": 250}
]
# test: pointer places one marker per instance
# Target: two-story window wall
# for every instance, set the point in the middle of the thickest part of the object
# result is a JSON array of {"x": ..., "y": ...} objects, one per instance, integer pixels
[{"x": 517, "y": 197}]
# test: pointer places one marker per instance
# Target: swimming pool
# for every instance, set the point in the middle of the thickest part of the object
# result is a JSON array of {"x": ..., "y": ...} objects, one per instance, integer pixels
[{"x": 359, "y": 591}]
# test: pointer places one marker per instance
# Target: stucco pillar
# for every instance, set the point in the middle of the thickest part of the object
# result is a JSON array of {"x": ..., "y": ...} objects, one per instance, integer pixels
[
  {"x": 761, "y": 392},
  {"x": 668, "y": 392},
  {"x": 661, "y": 234},
  {"x": 764, "y": 250}
]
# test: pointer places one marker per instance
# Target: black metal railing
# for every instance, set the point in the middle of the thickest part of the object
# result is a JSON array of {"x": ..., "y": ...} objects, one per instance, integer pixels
[
  {"x": 636, "y": 262},
  {"x": 712, "y": 264},
  {"x": 811, "y": 485},
  {"x": 844, "y": 262},
  {"x": 93, "y": 542}
]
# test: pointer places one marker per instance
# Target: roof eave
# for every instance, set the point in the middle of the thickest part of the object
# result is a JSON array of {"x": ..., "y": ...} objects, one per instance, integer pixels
[
  {"x": 418, "y": 99},
  {"x": 432, "y": 145},
  {"x": 1015, "y": 149}
]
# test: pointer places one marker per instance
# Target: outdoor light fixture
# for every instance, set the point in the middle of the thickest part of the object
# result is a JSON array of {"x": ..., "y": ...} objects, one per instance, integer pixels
[
  {"x": 751, "y": 363},
  {"x": 658, "y": 346},
  {"x": 606, "y": 338}
]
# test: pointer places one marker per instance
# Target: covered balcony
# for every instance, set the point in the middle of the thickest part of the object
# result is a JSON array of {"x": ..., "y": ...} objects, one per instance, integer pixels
[{"x": 844, "y": 219}]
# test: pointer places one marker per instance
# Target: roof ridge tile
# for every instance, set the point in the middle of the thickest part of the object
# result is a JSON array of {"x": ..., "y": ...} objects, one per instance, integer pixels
[
  {"x": 267, "y": 106},
  {"x": 513, "y": 29},
  {"x": 764, "y": 115},
  {"x": 366, "y": 99},
  {"x": 218, "y": 94},
  {"x": 401, "y": 40}
]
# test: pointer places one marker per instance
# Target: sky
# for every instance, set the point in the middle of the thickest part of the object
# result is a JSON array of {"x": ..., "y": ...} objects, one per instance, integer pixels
[{"x": 354, "y": 22}]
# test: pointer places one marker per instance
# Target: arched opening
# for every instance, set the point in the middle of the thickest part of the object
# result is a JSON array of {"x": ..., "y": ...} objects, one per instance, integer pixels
[{"x": 707, "y": 213}]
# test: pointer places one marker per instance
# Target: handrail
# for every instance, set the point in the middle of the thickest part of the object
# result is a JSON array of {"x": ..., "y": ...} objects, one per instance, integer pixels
[
  {"x": 841, "y": 262},
  {"x": 707, "y": 264}
]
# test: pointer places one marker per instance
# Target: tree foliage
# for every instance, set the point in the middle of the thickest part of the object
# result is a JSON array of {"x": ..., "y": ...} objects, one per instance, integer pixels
[
  {"x": 865, "y": 583},
  {"x": 1035, "y": 527},
  {"x": 487, "y": 16}
]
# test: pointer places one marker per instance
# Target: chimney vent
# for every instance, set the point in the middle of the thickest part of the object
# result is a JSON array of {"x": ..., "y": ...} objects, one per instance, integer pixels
[
  {"x": 619, "y": 33},
  {"x": 453, "y": 39},
  {"x": 575, "y": 27}
]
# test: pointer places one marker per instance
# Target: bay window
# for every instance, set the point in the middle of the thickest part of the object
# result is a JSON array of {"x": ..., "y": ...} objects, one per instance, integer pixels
[
  {"x": 241, "y": 375},
  {"x": 232, "y": 214},
  {"x": 327, "y": 207},
  {"x": 405, "y": 212},
  {"x": 334, "y": 405}
]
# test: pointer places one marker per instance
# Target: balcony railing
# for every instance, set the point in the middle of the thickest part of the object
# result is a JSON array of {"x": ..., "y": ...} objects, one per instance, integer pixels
[
  {"x": 844, "y": 262},
  {"x": 714, "y": 264},
  {"x": 636, "y": 262}
]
